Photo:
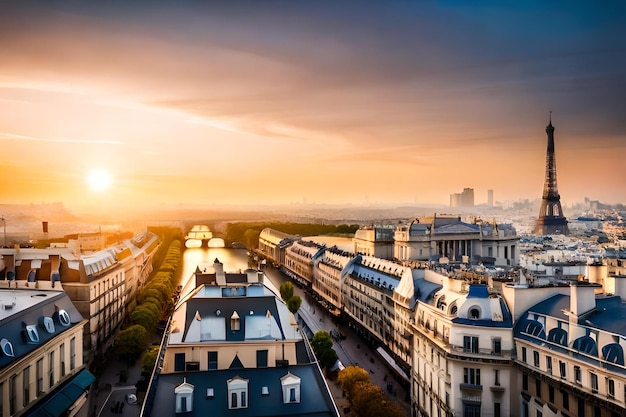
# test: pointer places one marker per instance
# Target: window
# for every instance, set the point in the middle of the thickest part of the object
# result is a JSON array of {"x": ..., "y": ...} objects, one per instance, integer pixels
[
  {"x": 594, "y": 381},
  {"x": 261, "y": 358},
  {"x": 581, "y": 407},
  {"x": 470, "y": 344},
  {"x": 610, "y": 387},
  {"x": 551, "y": 393},
  {"x": 577, "y": 374},
  {"x": 291, "y": 388},
  {"x": 497, "y": 376},
  {"x": 496, "y": 410},
  {"x": 565, "y": 400},
  {"x": 184, "y": 397},
  {"x": 549, "y": 364},
  {"x": 179, "y": 361},
  {"x": 474, "y": 313},
  {"x": 234, "y": 321},
  {"x": 536, "y": 358},
  {"x": 51, "y": 365},
  {"x": 563, "y": 369},
  {"x": 525, "y": 382},
  {"x": 237, "y": 393},
  {"x": 497, "y": 346},
  {"x": 32, "y": 334},
  {"x": 72, "y": 353},
  {"x": 539, "y": 413},
  {"x": 471, "y": 410},
  {"x": 26, "y": 385},
  {"x": 62, "y": 358},
  {"x": 212, "y": 361},
  {"x": 523, "y": 354},
  {"x": 538, "y": 387},
  {"x": 48, "y": 324},
  {"x": 471, "y": 376},
  {"x": 13, "y": 394},
  {"x": 64, "y": 318},
  {"x": 39, "y": 371}
]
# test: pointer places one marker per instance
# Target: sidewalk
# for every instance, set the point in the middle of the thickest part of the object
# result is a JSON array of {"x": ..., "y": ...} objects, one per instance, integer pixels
[
  {"x": 110, "y": 391},
  {"x": 354, "y": 351}
]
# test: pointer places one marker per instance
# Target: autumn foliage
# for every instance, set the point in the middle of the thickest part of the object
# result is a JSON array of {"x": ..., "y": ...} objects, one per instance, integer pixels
[{"x": 368, "y": 400}]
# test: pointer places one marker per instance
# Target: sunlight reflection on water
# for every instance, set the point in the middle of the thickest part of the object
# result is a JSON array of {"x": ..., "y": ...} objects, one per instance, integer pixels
[{"x": 233, "y": 260}]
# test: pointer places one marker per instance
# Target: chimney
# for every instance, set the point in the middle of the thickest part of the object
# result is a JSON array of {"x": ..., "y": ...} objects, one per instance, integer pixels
[
  {"x": 582, "y": 299},
  {"x": 620, "y": 286},
  {"x": 220, "y": 276},
  {"x": 253, "y": 276},
  {"x": 9, "y": 265}
]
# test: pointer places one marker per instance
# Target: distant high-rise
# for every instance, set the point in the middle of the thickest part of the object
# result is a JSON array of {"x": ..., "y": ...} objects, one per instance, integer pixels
[
  {"x": 551, "y": 220},
  {"x": 490, "y": 198},
  {"x": 464, "y": 199}
]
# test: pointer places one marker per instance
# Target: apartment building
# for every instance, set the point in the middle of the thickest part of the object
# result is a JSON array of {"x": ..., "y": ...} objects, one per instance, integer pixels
[
  {"x": 41, "y": 354},
  {"x": 233, "y": 348}
]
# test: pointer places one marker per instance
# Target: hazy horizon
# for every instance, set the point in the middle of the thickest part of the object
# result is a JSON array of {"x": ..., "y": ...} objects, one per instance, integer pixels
[{"x": 119, "y": 105}]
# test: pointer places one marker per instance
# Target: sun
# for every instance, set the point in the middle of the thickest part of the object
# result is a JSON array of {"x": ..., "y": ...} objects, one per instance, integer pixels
[{"x": 99, "y": 181}]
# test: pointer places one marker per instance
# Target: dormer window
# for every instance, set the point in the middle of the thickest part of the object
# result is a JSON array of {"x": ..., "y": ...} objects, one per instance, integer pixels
[
  {"x": 48, "y": 324},
  {"x": 474, "y": 313},
  {"x": 235, "y": 323},
  {"x": 7, "y": 348},
  {"x": 237, "y": 393},
  {"x": 31, "y": 334},
  {"x": 291, "y": 388},
  {"x": 184, "y": 397},
  {"x": 64, "y": 318}
]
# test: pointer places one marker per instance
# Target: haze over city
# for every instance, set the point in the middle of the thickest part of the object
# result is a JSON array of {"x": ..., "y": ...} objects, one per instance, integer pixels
[{"x": 126, "y": 104}]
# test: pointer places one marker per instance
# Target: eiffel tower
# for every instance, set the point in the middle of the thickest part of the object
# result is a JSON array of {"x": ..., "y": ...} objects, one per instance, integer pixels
[{"x": 551, "y": 220}]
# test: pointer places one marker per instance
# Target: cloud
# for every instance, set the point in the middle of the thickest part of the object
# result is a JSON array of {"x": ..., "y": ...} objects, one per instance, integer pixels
[{"x": 20, "y": 138}]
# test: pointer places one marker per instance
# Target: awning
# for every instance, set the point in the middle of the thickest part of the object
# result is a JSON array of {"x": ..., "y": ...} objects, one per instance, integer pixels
[
  {"x": 392, "y": 363},
  {"x": 57, "y": 403}
]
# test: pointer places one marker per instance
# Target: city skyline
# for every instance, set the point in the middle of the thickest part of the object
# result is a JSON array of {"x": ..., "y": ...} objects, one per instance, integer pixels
[{"x": 119, "y": 105}]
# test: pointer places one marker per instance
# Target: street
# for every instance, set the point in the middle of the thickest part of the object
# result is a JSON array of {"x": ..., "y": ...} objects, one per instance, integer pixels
[{"x": 351, "y": 351}]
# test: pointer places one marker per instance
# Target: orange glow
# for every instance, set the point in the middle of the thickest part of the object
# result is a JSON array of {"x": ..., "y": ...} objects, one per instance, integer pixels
[{"x": 189, "y": 108}]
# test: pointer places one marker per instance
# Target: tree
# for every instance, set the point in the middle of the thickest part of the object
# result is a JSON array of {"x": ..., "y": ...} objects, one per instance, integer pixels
[
  {"x": 132, "y": 340},
  {"x": 368, "y": 399},
  {"x": 349, "y": 376},
  {"x": 294, "y": 303},
  {"x": 148, "y": 359},
  {"x": 144, "y": 318},
  {"x": 322, "y": 346},
  {"x": 286, "y": 291}
]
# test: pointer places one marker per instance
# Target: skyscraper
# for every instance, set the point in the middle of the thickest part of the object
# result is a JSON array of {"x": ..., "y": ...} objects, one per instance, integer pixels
[{"x": 551, "y": 220}]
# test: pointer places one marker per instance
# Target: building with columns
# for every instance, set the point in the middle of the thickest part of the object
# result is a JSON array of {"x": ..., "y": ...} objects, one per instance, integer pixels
[{"x": 447, "y": 238}]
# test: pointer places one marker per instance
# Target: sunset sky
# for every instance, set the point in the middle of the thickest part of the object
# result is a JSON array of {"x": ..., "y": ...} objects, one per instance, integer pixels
[{"x": 325, "y": 102}]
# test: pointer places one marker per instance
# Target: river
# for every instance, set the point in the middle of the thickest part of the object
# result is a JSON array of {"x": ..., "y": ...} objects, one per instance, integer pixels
[{"x": 234, "y": 260}]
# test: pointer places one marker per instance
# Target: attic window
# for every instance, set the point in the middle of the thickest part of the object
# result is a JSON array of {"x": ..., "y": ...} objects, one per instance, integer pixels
[
  {"x": 291, "y": 388},
  {"x": 474, "y": 313},
  {"x": 234, "y": 321},
  {"x": 265, "y": 391},
  {"x": 32, "y": 334},
  {"x": 184, "y": 397},
  {"x": 7, "y": 347},
  {"x": 64, "y": 318},
  {"x": 210, "y": 393},
  {"x": 48, "y": 324}
]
